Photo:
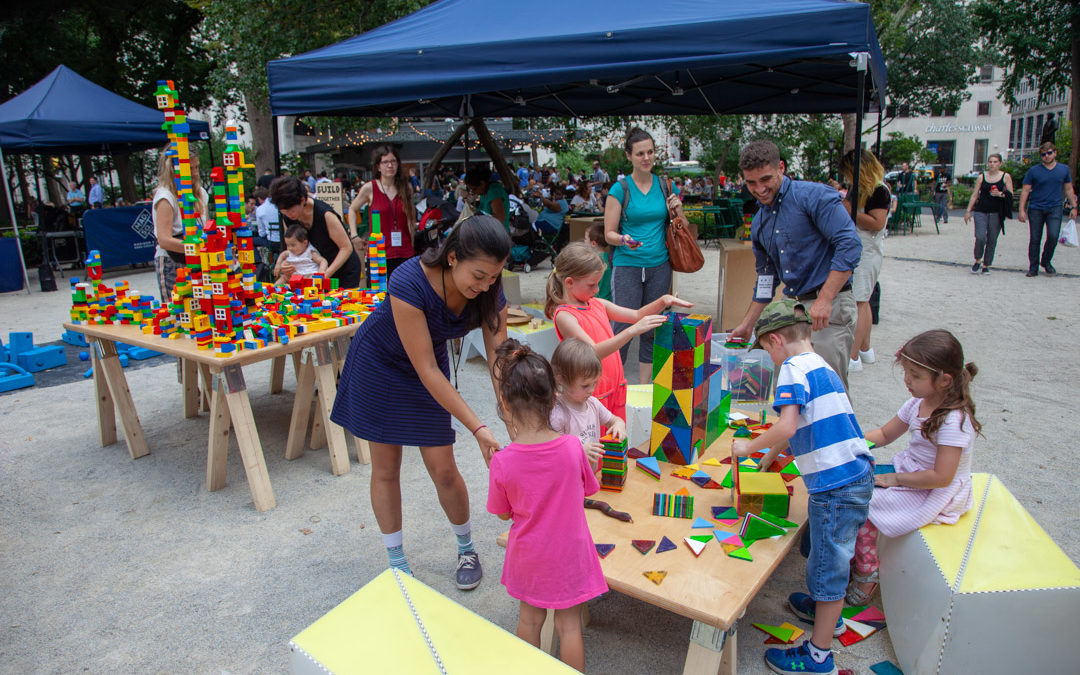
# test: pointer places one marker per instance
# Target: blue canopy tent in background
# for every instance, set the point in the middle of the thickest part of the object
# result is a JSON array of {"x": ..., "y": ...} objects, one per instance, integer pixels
[
  {"x": 477, "y": 58},
  {"x": 66, "y": 113}
]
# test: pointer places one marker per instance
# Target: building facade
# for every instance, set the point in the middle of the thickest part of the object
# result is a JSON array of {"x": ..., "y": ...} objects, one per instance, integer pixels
[
  {"x": 962, "y": 138},
  {"x": 1029, "y": 117}
]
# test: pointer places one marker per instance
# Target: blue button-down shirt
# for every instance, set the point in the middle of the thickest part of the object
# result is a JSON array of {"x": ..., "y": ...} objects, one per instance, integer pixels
[
  {"x": 801, "y": 237},
  {"x": 97, "y": 195}
]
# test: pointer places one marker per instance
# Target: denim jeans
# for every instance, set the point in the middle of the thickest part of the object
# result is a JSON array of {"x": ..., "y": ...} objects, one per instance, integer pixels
[
  {"x": 1037, "y": 219},
  {"x": 834, "y": 518},
  {"x": 941, "y": 206}
]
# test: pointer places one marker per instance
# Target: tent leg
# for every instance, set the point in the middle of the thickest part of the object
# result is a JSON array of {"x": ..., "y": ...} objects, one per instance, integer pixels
[
  {"x": 487, "y": 141},
  {"x": 277, "y": 148},
  {"x": 14, "y": 223},
  {"x": 879, "y": 133},
  {"x": 859, "y": 112}
]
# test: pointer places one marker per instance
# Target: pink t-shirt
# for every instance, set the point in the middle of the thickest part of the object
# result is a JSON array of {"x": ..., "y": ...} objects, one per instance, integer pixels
[
  {"x": 551, "y": 561},
  {"x": 585, "y": 424}
]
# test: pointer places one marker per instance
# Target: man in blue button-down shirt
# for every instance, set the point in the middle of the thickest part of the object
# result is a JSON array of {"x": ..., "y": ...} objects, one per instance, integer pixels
[{"x": 804, "y": 238}]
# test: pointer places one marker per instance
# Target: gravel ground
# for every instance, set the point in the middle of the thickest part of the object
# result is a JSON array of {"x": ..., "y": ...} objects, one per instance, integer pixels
[{"x": 114, "y": 565}]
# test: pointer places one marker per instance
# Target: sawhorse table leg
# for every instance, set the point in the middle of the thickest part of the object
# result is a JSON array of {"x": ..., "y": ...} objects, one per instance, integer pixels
[
  {"x": 317, "y": 368},
  {"x": 712, "y": 650},
  {"x": 231, "y": 404},
  {"x": 105, "y": 408},
  {"x": 326, "y": 379},
  {"x": 301, "y": 412},
  {"x": 189, "y": 377},
  {"x": 108, "y": 362},
  {"x": 277, "y": 374}
]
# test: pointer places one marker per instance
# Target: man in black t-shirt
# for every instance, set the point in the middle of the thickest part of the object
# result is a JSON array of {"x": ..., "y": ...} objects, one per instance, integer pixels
[{"x": 942, "y": 192}]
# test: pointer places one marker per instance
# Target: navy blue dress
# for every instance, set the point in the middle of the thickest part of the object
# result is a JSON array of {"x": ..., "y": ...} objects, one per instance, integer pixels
[{"x": 380, "y": 397}]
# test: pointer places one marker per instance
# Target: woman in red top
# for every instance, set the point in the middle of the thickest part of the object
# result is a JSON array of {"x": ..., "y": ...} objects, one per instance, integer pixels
[{"x": 390, "y": 194}]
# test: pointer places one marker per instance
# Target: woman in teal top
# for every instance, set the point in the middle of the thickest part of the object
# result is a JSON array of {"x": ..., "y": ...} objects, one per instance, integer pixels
[
  {"x": 493, "y": 199},
  {"x": 641, "y": 270}
]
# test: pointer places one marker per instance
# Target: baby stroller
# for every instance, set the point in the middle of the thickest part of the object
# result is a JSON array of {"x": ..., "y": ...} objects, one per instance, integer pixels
[
  {"x": 530, "y": 247},
  {"x": 438, "y": 217}
]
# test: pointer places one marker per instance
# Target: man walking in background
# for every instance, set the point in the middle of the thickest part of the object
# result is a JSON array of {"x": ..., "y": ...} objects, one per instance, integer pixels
[{"x": 1045, "y": 186}]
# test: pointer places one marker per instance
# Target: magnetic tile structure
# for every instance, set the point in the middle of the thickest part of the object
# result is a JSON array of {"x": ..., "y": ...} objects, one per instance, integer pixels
[
  {"x": 758, "y": 492},
  {"x": 673, "y": 505},
  {"x": 688, "y": 406},
  {"x": 613, "y": 464}
]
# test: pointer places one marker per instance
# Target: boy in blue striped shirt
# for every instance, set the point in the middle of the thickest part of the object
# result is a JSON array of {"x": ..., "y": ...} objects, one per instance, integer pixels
[{"x": 817, "y": 422}]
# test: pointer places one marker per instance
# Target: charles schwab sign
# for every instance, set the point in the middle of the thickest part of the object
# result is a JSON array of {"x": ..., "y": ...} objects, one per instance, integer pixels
[{"x": 956, "y": 128}]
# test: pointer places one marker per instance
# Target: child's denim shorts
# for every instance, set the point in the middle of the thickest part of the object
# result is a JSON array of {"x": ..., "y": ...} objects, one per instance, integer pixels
[{"x": 834, "y": 518}]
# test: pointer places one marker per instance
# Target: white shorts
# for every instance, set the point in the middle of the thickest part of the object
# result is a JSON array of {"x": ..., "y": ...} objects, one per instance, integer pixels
[{"x": 865, "y": 276}]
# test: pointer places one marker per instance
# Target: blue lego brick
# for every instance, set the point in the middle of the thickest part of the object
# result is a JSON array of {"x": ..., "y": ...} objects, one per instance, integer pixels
[
  {"x": 42, "y": 358},
  {"x": 13, "y": 377}
]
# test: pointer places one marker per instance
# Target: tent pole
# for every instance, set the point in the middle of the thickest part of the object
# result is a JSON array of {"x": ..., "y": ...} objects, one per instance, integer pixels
[
  {"x": 879, "y": 134},
  {"x": 14, "y": 223},
  {"x": 277, "y": 150},
  {"x": 859, "y": 111}
]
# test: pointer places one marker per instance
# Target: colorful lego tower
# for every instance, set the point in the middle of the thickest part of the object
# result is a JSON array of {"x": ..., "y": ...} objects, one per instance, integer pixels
[
  {"x": 682, "y": 375},
  {"x": 377, "y": 254}
]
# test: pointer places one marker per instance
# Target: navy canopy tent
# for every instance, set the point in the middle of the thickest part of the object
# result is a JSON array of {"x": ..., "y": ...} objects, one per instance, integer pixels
[
  {"x": 487, "y": 58},
  {"x": 67, "y": 113}
]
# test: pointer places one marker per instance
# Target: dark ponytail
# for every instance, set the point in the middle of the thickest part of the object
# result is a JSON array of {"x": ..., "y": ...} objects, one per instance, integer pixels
[{"x": 526, "y": 382}]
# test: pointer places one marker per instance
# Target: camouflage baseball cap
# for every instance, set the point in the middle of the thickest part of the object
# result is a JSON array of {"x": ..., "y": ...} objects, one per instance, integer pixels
[{"x": 777, "y": 315}]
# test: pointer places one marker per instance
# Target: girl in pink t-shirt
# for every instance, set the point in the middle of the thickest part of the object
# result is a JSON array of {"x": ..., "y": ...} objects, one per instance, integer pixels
[
  {"x": 577, "y": 313},
  {"x": 577, "y": 412},
  {"x": 540, "y": 481}
]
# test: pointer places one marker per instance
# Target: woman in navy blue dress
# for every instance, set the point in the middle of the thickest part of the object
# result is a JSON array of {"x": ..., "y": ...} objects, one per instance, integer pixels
[{"x": 395, "y": 386}]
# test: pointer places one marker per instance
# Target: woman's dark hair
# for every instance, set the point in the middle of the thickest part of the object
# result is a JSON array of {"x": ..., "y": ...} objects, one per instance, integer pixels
[
  {"x": 526, "y": 382},
  {"x": 636, "y": 135},
  {"x": 297, "y": 232},
  {"x": 475, "y": 237},
  {"x": 939, "y": 352},
  {"x": 477, "y": 174},
  {"x": 287, "y": 192},
  {"x": 401, "y": 181}
]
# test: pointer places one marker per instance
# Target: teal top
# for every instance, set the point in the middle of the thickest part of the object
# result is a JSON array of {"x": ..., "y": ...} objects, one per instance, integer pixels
[
  {"x": 645, "y": 219},
  {"x": 495, "y": 191}
]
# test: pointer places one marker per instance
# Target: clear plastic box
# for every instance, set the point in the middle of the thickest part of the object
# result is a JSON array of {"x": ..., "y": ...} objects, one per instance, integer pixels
[{"x": 748, "y": 373}]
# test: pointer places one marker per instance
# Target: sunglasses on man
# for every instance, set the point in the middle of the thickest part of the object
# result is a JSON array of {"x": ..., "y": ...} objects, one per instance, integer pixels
[{"x": 1047, "y": 153}]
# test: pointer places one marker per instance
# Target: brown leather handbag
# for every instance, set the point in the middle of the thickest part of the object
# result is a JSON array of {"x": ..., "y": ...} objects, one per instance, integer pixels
[{"x": 683, "y": 249}]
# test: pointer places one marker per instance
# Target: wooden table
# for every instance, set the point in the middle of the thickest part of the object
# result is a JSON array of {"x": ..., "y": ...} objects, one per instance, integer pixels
[
  {"x": 712, "y": 589},
  {"x": 317, "y": 358}
]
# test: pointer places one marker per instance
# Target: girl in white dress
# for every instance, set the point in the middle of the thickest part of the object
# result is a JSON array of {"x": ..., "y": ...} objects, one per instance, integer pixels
[{"x": 932, "y": 479}]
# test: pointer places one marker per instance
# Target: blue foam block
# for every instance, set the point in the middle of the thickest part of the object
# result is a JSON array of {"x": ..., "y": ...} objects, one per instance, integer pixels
[
  {"x": 140, "y": 353},
  {"x": 124, "y": 361},
  {"x": 74, "y": 339},
  {"x": 13, "y": 377},
  {"x": 19, "y": 343},
  {"x": 42, "y": 358}
]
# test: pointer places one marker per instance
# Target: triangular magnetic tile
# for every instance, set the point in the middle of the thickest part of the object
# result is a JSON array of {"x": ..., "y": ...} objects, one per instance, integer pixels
[
  {"x": 643, "y": 545},
  {"x": 656, "y": 576},
  {"x": 665, "y": 545},
  {"x": 701, "y": 522},
  {"x": 696, "y": 546},
  {"x": 741, "y": 554},
  {"x": 604, "y": 549}
]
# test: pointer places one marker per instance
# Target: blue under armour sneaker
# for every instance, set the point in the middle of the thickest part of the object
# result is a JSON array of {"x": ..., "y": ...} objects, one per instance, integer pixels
[
  {"x": 797, "y": 660},
  {"x": 803, "y": 606}
]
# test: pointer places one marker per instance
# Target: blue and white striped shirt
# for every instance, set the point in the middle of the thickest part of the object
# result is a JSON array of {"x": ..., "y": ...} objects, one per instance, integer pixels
[{"x": 828, "y": 446}]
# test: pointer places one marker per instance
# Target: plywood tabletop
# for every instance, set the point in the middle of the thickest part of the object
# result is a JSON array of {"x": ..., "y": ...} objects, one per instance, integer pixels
[
  {"x": 185, "y": 347},
  {"x": 712, "y": 588}
]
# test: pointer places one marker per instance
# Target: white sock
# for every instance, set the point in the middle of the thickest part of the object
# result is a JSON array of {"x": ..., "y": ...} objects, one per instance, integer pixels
[
  {"x": 392, "y": 539},
  {"x": 819, "y": 655}
]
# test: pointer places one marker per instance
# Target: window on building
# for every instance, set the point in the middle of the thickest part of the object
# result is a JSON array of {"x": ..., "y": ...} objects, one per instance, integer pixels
[
  {"x": 983, "y": 109},
  {"x": 1028, "y": 130},
  {"x": 1038, "y": 129},
  {"x": 1012, "y": 133},
  {"x": 949, "y": 113},
  {"x": 981, "y": 144},
  {"x": 986, "y": 73}
]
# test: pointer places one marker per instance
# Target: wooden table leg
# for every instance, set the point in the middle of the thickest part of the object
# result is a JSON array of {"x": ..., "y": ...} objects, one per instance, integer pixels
[
  {"x": 712, "y": 650},
  {"x": 547, "y": 633},
  {"x": 247, "y": 438},
  {"x": 341, "y": 350},
  {"x": 207, "y": 387},
  {"x": 297, "y": 361},
  {"x": 105, "y": 408},
  {"x": 218, "y": 446},
  {"x": 326, "y": 378},
  {"x": 277, "y": 374},
  {"x": 189, "y": 377},
  {"x": 301, "y": 412},
  {"x": 363, "y": 449},
  {"x": 317, "y": 439},
  {"x": 113, "y": 373}
]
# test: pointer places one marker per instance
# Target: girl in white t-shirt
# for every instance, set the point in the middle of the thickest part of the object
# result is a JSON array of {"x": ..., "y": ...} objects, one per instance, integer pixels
[{"x": 577, "y": 412}]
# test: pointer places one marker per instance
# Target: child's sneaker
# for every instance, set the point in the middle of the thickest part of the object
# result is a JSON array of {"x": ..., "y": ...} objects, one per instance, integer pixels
[
  {"x": 797, "y": 660},
  {"x": 854, "y": 365},
  {"x": 803, "y": 607}
]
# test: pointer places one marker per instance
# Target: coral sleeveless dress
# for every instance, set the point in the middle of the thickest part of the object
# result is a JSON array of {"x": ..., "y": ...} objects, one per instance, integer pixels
[{"x": 593, "y": 319}]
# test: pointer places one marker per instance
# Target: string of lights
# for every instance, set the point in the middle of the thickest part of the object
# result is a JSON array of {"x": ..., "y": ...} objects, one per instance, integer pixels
[{"x": 362, "y": 137}]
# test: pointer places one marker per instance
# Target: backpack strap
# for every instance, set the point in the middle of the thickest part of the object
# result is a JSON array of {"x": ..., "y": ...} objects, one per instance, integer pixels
[{"x": 625, "y": 198}]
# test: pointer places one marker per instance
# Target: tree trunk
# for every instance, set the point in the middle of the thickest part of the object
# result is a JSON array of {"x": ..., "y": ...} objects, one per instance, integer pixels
[
  {"x": 52, "y": 183},
  {"x": 1074, "y": 109},
  {"x": 262, "y": 131},
  {"x": 849, "y": 132},
  {"x": 86, "y": 168},
  {"x": 126, "y": 176},
  {"x": 20, "y": 176}
]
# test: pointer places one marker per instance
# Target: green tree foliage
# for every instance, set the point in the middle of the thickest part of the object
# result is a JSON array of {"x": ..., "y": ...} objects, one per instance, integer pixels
[
  {"x": 243, "y": 35},
  {"x": 898, "y": 148},
  {"x": 1036, "y": 40}
]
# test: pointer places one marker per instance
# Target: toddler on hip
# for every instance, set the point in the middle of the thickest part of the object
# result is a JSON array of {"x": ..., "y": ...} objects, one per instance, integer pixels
[{"x": 300, "y": 254}]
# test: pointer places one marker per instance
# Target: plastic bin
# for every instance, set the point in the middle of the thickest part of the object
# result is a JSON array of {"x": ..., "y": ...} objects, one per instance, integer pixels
[{"x": 748, "y": 373}]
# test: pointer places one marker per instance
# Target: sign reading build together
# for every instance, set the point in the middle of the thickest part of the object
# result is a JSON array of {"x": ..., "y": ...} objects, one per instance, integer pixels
[{"x": 332, "y": 194}]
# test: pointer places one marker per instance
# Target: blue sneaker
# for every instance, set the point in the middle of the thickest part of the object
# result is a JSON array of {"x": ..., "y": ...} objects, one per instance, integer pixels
[
  {"x": 803, "y": 607},
  {"x": 797, "y": 660}
]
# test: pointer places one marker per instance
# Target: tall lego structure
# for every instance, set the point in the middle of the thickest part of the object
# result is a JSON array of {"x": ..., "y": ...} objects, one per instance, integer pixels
[
  {"x": 688, "y": 402},
  {"x": 377, "y": 254}
]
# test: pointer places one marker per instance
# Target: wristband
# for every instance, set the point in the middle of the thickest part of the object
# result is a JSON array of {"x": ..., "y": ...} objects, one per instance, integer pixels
[{"x": 482, "y": 426}]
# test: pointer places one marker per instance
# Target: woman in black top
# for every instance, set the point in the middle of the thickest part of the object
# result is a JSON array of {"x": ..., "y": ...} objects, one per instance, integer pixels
[
  {"x": 991, "y": 201},
  {"x": 325, "y": 230}
]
